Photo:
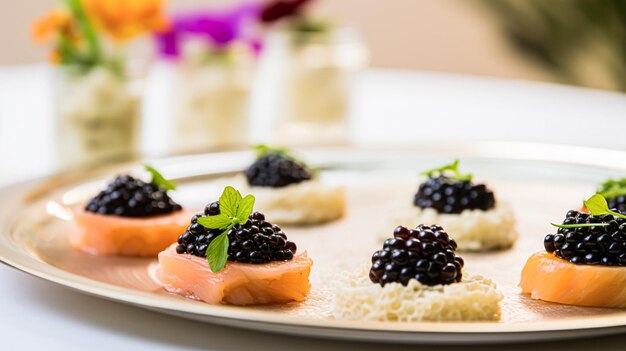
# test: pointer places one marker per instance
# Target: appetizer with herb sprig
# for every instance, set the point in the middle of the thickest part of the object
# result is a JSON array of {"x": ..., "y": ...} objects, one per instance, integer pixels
[
  {"x": 584, "y": 262},
  {"x": 468, "y": 210},
  {"x": 234, "y": 255},
  {"x": 416, "y": 276},
  {"x": 289, "y": 191},
  {"x": 130, "y": 217}
]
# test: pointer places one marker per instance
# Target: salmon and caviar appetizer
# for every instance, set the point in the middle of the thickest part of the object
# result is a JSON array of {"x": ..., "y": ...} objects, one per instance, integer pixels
[
  {"x": 584, "y": 262},
  {"x": 416, "y": 276},
  {"x": 232, "y": 255},
  {"x": 130, "y": 218}
]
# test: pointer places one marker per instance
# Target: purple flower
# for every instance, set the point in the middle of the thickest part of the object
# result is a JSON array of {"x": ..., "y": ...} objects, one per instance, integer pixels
[
  {"x": 218, "y": 28},
  {"x": 168, "y": 43}
]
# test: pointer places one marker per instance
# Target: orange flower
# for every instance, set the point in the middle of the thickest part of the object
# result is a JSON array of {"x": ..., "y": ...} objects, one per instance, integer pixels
[
  {"x": 125, "y": 19},
  {"x": 55, "y": 22}
]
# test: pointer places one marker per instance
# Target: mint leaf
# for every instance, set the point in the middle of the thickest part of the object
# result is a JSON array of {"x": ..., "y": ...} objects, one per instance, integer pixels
[
  {"x": 159, "y": 180},
  {"x": 229, "y": 201},
  {"x": 598, "y": 206},
  {"x": 220, "y": 221},
  {"x": 451, "y": 171},
  {"x": 217, "y": 252},
  {"x": 233, "y": 210},
  {"x": 582, "y": 225},
  {"x": 454, "y": 167},
  {"x": 245, "y": 209}
]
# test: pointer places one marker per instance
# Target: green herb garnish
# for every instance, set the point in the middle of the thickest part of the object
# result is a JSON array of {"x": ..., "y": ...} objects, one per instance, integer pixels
[
  {"x": 234, "y": 209},
  {"x": 159, "y": 180},
  {"x": 612, "y": 188},
  {"x": 262, "y": 150},
  {"x": 451, "y": 171},
  {"x": 598, "y": 206},
  {"x": 582, "y": 225}
]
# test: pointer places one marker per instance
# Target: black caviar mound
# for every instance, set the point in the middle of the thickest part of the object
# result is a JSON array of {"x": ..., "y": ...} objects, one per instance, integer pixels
[
  {"x": 257, "y": 241},
  {"x": 449, "y": 195},
  {"x": 276, "y": 170},
  {"x": 595, "y": 245},
  {"x": 129, "y": 197},
  {"x": 426, "y": 254}
]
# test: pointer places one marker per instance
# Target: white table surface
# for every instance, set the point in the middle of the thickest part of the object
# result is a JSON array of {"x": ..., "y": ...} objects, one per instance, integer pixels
[{"x": 389, "y": 107}]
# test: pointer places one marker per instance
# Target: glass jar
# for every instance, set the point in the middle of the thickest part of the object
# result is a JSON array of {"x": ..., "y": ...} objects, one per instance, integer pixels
[
  {"x": 210, "y": 99},
  {"x": 304, "y": 82},
  {"x": 98, "y": 117}
]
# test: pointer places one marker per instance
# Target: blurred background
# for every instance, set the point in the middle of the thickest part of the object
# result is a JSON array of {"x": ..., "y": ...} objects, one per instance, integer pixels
[
  {"x": 111, "y": 81},
  {"x": 525, "y": 39}
]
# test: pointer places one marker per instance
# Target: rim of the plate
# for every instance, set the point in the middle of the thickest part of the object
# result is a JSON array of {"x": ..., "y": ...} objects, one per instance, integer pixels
[{"x": 13, "y": 256}]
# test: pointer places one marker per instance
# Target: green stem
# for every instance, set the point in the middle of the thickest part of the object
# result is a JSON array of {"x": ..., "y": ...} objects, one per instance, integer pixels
[
  {"x": 66, "y": 50},
  {"x": 92, "y": 38},
  {"x": 453, "y": 172},
  {"x": 582, "y": 225},
  {"x": 617, "y": 214}
]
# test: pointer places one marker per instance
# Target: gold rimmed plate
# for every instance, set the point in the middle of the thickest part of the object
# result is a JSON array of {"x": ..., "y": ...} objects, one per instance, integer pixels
[{"x": 541, "y": 182}]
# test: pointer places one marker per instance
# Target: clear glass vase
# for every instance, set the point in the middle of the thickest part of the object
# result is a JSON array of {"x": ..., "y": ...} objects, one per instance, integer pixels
[
  {"x": 304, "y": 82},
  {"x": 210, "y": 100},
  {"x": 97, "y": 117}
]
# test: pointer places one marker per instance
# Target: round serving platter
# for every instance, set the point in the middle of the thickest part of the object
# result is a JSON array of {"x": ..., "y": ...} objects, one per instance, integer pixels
[{"x": 541, "y": 182}]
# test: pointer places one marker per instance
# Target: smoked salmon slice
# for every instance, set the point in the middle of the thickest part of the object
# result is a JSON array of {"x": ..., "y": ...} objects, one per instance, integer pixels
[
  {"x": 237, "y": 283},
  {"x": 549, "y": 278},
  {"x": 126, "y": 236}
]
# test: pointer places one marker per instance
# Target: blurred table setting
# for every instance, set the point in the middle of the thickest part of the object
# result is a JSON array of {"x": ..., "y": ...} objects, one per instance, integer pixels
[
  {"x": 125, "y": 83},
  {"x": 387, "y": 107}
]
